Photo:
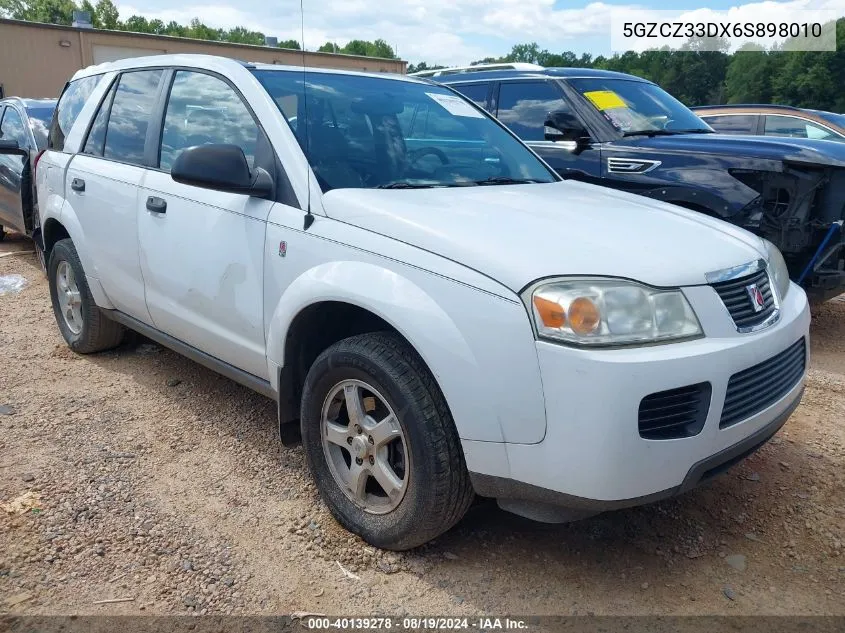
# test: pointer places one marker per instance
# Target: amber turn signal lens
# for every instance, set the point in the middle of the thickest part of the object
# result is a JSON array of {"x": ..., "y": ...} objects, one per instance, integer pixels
[
  {"x": 584, "y": 316},
  {"x": 551, "y": 313}
]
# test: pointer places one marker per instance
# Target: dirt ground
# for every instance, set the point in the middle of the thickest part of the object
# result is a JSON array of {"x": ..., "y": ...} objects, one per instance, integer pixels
[{"x": 158, "y": 483}]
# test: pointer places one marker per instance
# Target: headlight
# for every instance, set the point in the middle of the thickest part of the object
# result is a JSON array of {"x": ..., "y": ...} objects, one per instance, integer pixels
[
  {"x": 777, "y": 268},
  {"x": 610, "y": 312}
]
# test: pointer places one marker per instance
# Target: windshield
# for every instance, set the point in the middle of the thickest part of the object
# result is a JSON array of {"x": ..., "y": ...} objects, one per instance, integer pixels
[
  {"x": 369, "y": 132},
  {"x": 39, "y": 122},
  {"x": 638, "y": 107}
]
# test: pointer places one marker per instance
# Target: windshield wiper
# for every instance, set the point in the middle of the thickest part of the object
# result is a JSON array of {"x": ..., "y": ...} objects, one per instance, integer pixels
[
  {"x": 697, "y": 130},
  {"x": 405, "y": 185},
  {"x": 649, "y": 133},
  {"x": 505, "y": 180}
]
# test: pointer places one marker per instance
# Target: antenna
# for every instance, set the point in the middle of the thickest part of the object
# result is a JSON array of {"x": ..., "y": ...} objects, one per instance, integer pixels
[{"x": 309, "y": 217}]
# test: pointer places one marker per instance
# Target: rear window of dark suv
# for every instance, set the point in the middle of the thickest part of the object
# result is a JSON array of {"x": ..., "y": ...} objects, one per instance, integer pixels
[{"x": 70, "y": 104}]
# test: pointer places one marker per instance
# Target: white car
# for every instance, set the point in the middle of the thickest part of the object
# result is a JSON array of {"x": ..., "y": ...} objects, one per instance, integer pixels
[{"x": 424, "y": 298}]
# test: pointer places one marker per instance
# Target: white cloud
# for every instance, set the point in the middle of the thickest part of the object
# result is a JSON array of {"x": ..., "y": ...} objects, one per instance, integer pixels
[{"x": 437, "y": 31}]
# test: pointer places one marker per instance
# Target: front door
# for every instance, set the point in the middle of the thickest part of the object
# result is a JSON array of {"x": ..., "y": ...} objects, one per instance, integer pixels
[
  {"x": 524, "y": 106},
  {"x": 12, "y": 170},
  {"x": 202, "y": 250}
]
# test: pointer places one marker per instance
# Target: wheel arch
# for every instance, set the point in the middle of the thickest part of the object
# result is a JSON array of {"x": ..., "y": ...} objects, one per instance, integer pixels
[{"x": 337, "y": 300}]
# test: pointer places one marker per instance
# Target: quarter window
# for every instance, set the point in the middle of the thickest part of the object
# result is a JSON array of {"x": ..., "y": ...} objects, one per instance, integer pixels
[
  {"x": 203, "y": 109},
  {"x": 525, "y": 105},
  {"x": 477, "y": 93},
  {"x": 67, "y": 110},
  {"x": 133, "y": 104},
  {"x": 12, "y": 128},
  {"x": 794, "y": 127},
  {"x": 97, "y": 136}
]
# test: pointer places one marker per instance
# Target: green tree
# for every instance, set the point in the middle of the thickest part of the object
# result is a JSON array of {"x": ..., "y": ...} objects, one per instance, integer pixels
[
  {"x": 199, "y": 31},
  {"x": 328, "y": 47},
  {"x": 106, "y": 15},
  {"x": 48, "y": 11},
  {"x": 242, "y": 35},
  {"x": 294, "y": 44}
]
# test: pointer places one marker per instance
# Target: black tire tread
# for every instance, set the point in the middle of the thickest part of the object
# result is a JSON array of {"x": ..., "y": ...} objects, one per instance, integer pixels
[
  {"x": 451, "y": 490},
  {"x": 99, "y": 333}
]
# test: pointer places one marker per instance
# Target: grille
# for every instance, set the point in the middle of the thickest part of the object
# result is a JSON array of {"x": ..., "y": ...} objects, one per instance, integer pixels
[
  {"x": 734, "y": 295},
  {"x": 676, "y": 413},
  {"x": 752, "y": 390}
]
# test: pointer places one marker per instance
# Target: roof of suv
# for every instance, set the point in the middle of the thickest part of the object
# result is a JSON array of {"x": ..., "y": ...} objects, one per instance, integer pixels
[
  {"x": 220, "y": 64},
  {"x": 563, "y": 73},
  {"x": 31, "y": 103}
]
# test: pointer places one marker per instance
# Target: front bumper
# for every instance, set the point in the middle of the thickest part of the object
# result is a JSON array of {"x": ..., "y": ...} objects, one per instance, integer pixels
[{"x": 593, "y": 458}]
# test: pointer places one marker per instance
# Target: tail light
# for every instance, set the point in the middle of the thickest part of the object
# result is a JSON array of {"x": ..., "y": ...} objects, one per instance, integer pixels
[{"x": 35, "y": 163}]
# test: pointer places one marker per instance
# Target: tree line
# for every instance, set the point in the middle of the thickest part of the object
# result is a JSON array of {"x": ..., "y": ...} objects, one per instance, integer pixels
[
  {"x": 807, "y": 79},
  {"x": 105, "y": 15},
  {"x": 695, "y": 76}
]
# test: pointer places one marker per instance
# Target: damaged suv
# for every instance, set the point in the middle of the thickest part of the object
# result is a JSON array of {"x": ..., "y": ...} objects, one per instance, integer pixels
[
  {"x": 433, "y": 310},
  {"x": 625, "y": 132}
]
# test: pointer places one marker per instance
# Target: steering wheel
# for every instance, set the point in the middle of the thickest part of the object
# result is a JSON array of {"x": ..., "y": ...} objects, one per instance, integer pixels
[{"x": 417, "y": 154}]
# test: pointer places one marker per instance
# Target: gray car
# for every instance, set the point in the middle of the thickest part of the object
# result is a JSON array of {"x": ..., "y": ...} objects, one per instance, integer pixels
[{"x": 24, "y": 122}]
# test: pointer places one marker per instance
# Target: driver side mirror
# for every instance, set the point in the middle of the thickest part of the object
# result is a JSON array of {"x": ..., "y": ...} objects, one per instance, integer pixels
[
  {"x": 11, "y": 148},
  {"x": 564, "y": 126},
  {"x": 221, "y": 168}
]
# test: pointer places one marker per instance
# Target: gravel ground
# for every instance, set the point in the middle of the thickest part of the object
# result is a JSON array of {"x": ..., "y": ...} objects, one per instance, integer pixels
[{"x": 147, "y": 481}]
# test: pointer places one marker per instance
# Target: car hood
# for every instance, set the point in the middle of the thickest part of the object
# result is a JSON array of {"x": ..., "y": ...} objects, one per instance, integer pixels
[
  {"x": 797, "y": 150},
  {"x": 517, "y": 234}
]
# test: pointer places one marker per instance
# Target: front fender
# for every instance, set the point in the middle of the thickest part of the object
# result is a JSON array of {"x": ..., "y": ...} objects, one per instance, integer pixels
[{"x": 469, "y": 340}]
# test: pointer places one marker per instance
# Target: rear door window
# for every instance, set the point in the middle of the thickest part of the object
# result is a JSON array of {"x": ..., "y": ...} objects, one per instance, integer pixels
[
  {"x": 70, "y": 104},
  {"x": 131, "y": 110},
  {"x": 733, "y": 123}
]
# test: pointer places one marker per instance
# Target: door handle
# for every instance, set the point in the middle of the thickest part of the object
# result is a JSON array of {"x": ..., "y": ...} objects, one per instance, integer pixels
[
  {"x": 156, "y": 205},
  {"x": 77, "y": 184}
]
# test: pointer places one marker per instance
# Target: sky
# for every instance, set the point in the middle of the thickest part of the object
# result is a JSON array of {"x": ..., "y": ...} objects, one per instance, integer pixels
[{"x": 452, "y": 32}]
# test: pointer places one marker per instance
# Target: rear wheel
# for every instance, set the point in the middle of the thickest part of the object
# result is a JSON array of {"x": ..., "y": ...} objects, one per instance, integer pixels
[
  {"x": 381, "y": 443},
  {"x": 2, "y": 233},
  {"x": 82, "y": 324}
]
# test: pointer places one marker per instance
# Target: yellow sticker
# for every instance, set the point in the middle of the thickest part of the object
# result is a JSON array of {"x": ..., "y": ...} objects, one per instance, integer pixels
[{"x": 605, "y": 99}]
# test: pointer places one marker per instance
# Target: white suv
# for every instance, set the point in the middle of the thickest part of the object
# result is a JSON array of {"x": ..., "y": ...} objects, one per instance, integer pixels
[{"x": 424, "y": 298}]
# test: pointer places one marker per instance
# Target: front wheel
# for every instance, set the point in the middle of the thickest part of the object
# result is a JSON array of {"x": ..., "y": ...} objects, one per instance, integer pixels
[
  {"x": 82, "y": 324},
  {"x": 381, "y": 443}
]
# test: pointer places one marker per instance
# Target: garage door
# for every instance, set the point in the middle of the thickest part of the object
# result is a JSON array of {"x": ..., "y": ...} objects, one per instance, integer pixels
[{"x": 113, "y": 53}]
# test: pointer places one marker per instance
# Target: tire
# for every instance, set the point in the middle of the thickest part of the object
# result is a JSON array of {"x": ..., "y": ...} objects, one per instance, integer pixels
[
  {"x": 2, "y": 233},
  {"x": 436, "y": 492},
  {"x": 88, "y": 330}
]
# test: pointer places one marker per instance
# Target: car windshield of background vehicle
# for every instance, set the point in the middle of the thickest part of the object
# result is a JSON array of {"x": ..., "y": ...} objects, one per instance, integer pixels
[
  {"x": 637, "y": 107},
  {"x": 368, "y": 132},
  {"x": 39, "y": 123}
]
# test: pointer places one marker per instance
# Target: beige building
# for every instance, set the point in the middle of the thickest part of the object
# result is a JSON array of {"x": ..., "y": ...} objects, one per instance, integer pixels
[{"x": 37, "y": 59}]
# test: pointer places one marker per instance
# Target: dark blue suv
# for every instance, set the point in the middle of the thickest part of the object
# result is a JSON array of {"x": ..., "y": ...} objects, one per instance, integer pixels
[{"x": 621, "y": 131}]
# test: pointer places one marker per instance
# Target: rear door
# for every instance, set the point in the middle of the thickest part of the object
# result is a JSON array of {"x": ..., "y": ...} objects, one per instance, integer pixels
[
  {"x": 102, "y": 184},
  {"x": 733, "y": 123},
  {"x": 14, "y": 171},
  {"x": 524, "y": 106},
  {"x": 202, "y": 251}
]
